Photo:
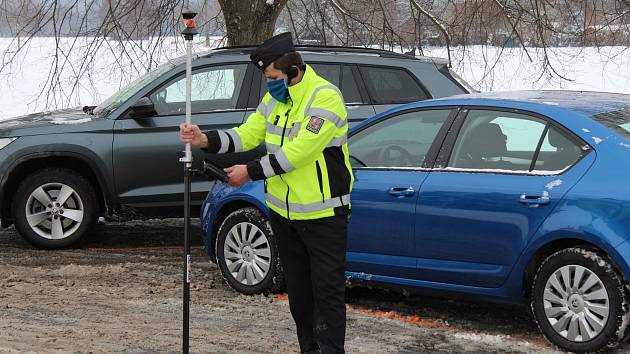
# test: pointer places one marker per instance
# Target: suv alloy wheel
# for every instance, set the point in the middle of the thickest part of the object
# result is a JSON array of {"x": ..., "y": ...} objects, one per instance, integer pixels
[{"x": 54, "y": 207}]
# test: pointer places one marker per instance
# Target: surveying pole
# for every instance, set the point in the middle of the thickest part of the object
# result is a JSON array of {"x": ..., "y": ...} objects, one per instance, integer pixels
[{"x": 190, "y": 30}]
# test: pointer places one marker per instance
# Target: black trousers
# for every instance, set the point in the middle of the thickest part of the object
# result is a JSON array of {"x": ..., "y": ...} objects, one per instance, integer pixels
[{"x": 313, "y": 255}]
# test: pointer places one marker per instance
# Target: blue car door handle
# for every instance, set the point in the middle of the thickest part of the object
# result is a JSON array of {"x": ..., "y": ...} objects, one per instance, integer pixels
[
  {"x": 401, "y": 191},
  {"x": 534, "y": 199}
]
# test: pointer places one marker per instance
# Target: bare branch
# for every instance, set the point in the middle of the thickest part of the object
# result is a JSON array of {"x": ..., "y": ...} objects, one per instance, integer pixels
[{"x": 439, "y": 25}]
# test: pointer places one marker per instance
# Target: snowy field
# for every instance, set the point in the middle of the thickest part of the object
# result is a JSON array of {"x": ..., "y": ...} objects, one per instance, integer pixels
[{"x": 25, "y": 83}]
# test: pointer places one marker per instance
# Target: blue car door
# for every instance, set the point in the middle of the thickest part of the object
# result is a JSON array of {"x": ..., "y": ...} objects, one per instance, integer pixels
[
  {"x": 388, "y": 158},
  {"x": 496, "y": 182}
]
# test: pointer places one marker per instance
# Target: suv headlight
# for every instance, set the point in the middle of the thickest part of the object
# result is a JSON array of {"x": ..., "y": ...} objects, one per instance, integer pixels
[{"x": 5, "y": 141}]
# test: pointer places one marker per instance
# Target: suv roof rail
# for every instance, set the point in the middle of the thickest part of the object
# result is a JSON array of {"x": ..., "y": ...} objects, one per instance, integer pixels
[{"x": 247, "y": 49}]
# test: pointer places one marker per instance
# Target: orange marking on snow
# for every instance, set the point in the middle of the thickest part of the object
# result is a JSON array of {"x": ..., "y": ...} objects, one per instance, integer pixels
[
  {"x": 428, "y": 323},
  {"x": 281, "y": 297},
  {"x": 393, "y": 315},
  {"x": 417, "y": 320}
]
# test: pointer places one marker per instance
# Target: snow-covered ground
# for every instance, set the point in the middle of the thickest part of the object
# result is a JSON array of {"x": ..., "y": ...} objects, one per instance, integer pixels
[
  {"x": 25, "y": 83},
  {"x": 572, "y": 68},
  {"x": 26, "y": 80}
]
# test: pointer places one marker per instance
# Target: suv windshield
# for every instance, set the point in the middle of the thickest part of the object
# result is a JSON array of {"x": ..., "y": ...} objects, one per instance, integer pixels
[
  {"x": 618, "y": 120},
  {"x": 126, "y": 92}
]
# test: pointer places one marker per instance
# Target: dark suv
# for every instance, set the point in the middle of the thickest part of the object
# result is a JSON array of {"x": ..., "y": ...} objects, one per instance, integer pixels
[{"x": 60, "y": 171}]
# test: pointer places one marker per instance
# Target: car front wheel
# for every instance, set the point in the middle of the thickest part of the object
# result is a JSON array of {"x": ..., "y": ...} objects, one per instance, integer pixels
[
  {"x": 580, "y": 301},
  {"x": 247, "y": 253},
  {"x": 54, "y": 208}
]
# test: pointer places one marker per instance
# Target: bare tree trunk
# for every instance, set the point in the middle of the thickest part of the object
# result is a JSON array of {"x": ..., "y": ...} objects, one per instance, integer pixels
[
  {"x": 250, "y": 22},
  {"x": 206, "y": 12}
]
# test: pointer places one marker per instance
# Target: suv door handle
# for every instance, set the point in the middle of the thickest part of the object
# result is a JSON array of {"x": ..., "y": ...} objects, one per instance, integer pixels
[
  {"x": 534, "y": 199},
  {"x": 402, "y": 191}
]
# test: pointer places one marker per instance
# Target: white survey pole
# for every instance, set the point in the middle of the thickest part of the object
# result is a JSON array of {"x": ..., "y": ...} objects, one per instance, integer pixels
[
  {"x": 188, "y": 152},
  {"x": 189, "y": 32}
]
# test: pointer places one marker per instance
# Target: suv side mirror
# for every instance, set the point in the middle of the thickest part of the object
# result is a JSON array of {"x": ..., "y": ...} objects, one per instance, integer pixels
[{"x": 143, "y": 108}]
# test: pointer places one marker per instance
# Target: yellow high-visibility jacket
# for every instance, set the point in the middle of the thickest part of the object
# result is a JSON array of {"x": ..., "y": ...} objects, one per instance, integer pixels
[{"x": 307, "y": 170}]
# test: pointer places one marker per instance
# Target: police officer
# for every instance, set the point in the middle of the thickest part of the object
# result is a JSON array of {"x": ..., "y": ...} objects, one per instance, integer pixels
[{"x": 302, "y": 120}]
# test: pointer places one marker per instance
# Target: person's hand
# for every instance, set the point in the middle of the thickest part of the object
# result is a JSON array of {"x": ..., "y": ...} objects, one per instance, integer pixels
[
  {"x": 237, "y": 175},
  {"x": 190, "y": 133}
]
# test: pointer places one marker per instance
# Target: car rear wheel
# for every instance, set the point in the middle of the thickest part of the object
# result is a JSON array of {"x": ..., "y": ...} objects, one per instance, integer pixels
[
  {"x": 579, "y": 301},
  {"x": 247, "y": 253},
  {"x": 54, "y": 208}
]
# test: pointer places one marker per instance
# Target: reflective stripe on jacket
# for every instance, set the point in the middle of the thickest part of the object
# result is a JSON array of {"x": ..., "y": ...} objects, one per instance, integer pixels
[{"x": 307, "y": 170}]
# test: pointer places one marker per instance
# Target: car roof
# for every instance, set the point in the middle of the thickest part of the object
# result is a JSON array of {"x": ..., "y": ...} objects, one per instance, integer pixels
[
  {"x": 334, "y": 50},
  {"x": 585, "y": 103},
  {"x": 573, "y": 109}
]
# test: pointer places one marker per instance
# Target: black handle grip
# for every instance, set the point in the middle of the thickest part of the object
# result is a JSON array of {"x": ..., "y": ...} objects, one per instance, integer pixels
[{"x": 214, "y": 172}]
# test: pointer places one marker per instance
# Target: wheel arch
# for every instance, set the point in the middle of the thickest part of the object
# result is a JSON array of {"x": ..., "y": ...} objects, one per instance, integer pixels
[
  {"x": 30, "y": 164},
  {"x": 556, "y": 245}
]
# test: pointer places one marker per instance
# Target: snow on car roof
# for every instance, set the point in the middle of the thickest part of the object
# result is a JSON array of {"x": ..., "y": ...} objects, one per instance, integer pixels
[{"x": 584, "y": 102}]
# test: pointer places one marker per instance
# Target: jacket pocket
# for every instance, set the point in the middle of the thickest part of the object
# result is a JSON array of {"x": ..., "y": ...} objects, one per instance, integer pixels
[{"x": 319, "y": 179}]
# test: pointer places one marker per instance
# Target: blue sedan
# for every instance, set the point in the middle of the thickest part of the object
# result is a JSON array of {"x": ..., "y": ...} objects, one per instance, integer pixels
[{"x": 517, "y": 197}]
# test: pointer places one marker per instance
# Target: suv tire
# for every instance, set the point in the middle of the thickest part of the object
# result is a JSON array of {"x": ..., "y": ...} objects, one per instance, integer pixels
[
  {"x": 247, "y": 253},
  {"x": 53, "y": 208},
  {"x": 580, "y": 301}
]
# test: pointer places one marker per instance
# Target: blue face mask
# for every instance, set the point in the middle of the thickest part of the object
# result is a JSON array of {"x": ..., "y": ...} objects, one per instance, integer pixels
[{"x": 278, "y": 90}]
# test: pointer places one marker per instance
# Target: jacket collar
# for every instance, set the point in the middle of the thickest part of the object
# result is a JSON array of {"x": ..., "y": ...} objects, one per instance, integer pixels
[{"x": 299, "y": 90}]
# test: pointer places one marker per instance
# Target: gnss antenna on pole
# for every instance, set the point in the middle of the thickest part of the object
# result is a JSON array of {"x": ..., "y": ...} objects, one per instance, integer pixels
[{"x": 190, "y": 30}]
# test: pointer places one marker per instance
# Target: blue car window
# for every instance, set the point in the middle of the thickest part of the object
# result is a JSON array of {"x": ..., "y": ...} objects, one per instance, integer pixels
[
  {"x": 213, "y": 89},
  {"x": 495, "y": 140},
  {"x": 557, "y": 152},
  {"x": 400, "y": 141}
]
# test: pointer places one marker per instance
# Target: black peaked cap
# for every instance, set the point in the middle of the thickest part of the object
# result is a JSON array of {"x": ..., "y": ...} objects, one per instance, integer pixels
[{"x": 272, "y": 49}]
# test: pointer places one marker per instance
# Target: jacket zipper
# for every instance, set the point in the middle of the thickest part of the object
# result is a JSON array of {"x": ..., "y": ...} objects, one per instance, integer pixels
[
  {"x": 284, "y": 129},
  {"x": 319, "y": 179},
  {"x": 286, "y": 200}
]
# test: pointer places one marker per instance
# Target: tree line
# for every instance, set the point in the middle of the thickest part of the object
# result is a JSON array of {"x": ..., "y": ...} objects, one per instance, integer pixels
[
  {"x": 385, "y": 23},
  {"x": 134, "y": 31}
]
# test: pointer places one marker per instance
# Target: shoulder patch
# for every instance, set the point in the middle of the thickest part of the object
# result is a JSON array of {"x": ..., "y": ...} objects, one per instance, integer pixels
[{"x": 315, "y": 124}]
